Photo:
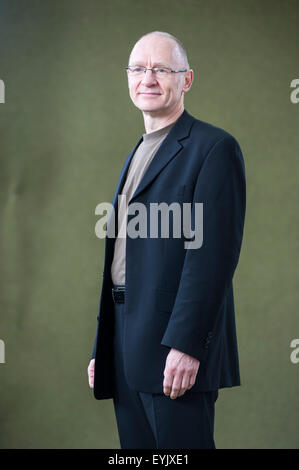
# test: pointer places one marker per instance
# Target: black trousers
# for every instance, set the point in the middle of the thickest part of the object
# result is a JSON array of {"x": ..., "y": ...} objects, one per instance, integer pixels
[{"x": 156, "y": 421}]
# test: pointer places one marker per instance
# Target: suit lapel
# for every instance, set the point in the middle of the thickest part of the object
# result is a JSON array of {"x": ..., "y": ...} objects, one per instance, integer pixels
[{"x": 169, "y": 148}]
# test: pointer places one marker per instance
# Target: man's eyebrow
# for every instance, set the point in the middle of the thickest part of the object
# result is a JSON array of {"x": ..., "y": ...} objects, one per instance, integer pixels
[{"x": 155, "y": 64}]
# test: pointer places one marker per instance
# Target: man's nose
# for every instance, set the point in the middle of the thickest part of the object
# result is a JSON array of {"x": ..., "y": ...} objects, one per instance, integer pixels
[{"x": 149, "y": 77}]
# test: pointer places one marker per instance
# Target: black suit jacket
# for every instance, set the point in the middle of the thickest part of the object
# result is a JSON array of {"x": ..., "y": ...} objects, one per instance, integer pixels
[{"x": 177, "y": 297}]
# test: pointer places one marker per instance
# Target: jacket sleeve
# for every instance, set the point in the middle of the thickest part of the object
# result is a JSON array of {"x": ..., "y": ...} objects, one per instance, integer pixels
[
  {"x": 93, "y": 354},
  {"x": 208, "y": 270}
]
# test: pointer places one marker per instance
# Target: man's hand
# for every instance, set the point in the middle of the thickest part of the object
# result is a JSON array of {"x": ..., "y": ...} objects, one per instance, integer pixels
[
  {"x": 179, "y": 373},
  {"x": 90, "y": 371}
]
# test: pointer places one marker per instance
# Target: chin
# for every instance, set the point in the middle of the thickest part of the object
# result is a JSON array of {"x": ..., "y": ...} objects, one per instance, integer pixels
[
  {"x": 151, "y": 111},
  {"x": 147, "y": 106}
]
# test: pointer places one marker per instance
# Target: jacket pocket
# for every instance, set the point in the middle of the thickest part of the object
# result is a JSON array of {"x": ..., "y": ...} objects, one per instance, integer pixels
[{"x": 165, "y": 299}]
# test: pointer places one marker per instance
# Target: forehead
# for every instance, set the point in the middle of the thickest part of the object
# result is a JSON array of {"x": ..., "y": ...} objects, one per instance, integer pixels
[{"x": 154, "y": 49}]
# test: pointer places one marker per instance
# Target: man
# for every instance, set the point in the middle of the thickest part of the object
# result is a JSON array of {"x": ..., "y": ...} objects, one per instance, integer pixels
[{"x": 166, "y": 337}]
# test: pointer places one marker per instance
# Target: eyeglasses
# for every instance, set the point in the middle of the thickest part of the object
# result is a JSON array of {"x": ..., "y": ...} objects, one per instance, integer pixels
[{"x": 160, "y": 72}]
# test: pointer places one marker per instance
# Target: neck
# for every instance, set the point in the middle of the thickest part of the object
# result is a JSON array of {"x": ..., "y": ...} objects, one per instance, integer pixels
[{"x": 155, "y": 121}]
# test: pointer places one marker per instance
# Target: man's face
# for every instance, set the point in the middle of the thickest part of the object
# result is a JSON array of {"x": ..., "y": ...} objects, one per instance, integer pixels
[{"x": 155, "y": 95}]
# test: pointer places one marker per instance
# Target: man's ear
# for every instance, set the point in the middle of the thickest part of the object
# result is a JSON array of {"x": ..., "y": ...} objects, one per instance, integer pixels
[{"x": 188, "y": 80}]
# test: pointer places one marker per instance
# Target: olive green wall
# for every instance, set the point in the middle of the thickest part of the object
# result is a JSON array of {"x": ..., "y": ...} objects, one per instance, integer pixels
[{"x": 66, "y": 127}]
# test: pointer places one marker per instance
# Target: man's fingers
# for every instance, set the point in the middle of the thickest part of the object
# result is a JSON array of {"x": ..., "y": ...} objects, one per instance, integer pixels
[
  {"x": 167, "y": 383},
  {"x": 176, "y": 386},
  {"x": 91, "y": 378},
  {"x": 191, "y": 381},
  {"x": 167, "y": 387},
  {"x": 185, "y": 383},
  {"x": 90, "y": 372}
]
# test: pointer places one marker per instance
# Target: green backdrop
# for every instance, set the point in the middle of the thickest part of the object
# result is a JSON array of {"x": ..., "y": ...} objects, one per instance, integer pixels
[{"x": 66, "y": 126}]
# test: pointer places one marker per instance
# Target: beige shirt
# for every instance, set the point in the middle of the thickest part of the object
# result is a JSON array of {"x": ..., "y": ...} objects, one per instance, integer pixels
[{"x": 138, "y": 166}]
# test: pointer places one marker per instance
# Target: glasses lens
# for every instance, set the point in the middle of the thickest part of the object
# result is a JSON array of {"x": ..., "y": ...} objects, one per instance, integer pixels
[
  {"x": 136, "y": 70},
  {"x": 158, "y": 72}
]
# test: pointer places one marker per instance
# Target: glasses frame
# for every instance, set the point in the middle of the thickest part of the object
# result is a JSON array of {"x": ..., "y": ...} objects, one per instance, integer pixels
[{"x": 128, "y": 68}]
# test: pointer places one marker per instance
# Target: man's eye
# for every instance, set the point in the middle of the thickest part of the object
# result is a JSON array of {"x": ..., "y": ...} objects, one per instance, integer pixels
[
  {"x": 138, "y": 69},
  {"x": 161, "y": 70}
]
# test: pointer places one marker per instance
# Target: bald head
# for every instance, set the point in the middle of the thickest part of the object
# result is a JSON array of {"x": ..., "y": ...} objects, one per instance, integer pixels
[{"x": 177, "y": 52}]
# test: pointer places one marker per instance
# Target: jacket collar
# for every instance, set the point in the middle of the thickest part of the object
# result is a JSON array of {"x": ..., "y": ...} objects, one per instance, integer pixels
[{"x": 169, "y": 148}]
